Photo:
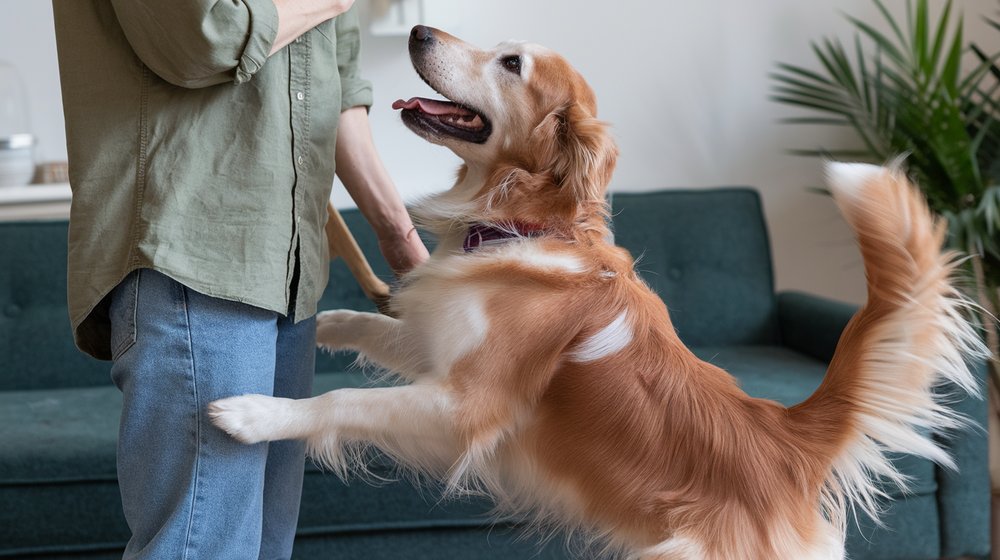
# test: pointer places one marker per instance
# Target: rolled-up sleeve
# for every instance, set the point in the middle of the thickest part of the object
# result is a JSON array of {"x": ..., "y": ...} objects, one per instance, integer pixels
[
  {"x": 354, "y": 90},
  {"x": 199, "y": 43}
]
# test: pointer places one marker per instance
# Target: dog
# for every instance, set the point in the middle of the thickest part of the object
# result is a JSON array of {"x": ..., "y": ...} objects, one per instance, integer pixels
[{"x": 537, "y": 367}]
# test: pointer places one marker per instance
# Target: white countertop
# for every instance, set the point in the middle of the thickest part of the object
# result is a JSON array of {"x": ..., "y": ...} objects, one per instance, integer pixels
[
  {"x": 35, "y": 202},
  {"x": 33, "y": 194}
]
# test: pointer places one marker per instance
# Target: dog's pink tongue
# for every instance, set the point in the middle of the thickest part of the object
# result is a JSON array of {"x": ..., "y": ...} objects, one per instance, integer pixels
[{"x": 430, "y": 106}]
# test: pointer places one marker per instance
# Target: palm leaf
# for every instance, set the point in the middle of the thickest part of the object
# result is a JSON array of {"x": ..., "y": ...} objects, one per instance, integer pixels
[
  {"x": 942, "y": 32},
  {"x": 891, "y": 20},
  {"x": 918, "y": 44},
  {"x": 949, "y": 73},
  {"x": 909, "y": 97},
  {"x": 905, "y": 91}
]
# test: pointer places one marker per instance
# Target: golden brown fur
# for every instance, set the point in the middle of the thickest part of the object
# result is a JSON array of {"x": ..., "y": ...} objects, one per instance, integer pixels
[{"x": 546, "y": 374}]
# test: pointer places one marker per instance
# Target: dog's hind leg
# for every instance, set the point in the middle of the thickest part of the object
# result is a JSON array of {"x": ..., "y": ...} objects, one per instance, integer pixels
[
  {"x": 380, "y": 339},
  {"x": 412, "y": 424}
]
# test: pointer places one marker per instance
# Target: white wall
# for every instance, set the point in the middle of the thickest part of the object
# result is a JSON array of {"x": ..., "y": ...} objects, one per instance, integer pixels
[
  {"x": 28, "y": 42},
  {"x": 684, "y": 84}
]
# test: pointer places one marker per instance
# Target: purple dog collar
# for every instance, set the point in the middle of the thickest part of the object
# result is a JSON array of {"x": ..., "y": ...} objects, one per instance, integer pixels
[{"x": 486, "y": 235}]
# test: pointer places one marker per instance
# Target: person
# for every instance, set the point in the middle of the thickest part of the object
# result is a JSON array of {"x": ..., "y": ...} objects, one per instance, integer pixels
[{"x": 203, "y": 138}]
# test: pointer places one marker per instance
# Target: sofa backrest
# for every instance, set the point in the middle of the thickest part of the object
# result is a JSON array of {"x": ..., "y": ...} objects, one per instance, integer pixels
[
  {"x": 706, "y": 253},
  {"x": 36, "y": 341}
]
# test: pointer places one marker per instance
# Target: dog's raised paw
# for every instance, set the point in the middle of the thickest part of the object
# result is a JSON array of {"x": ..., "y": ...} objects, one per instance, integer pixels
[
  {"x": 248, "y": 418},
  {"x": 332, "y": 329}
]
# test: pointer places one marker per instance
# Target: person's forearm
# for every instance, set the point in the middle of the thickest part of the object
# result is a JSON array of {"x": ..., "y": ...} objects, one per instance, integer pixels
[
  {"x": 369, "y": 184},
  {"x": 366, "y": 179},
  {"x": 295, "y": 17}
]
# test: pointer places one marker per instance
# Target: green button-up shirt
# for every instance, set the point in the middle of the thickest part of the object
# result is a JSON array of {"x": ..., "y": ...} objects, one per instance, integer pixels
[{"x": 194, "y": 153}]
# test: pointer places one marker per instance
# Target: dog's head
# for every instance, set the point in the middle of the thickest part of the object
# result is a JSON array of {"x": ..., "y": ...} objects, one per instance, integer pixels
[{"x": 520, "y": 117}]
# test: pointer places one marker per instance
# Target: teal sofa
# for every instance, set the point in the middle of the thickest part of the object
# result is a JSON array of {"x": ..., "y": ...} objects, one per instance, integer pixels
[{"x": 706, "y": 252}]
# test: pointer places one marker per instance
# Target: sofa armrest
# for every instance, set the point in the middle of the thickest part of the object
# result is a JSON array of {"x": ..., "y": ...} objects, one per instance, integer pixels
[
  {"x": 964, "y": 495},
  {"x": 811, "y": 324}
]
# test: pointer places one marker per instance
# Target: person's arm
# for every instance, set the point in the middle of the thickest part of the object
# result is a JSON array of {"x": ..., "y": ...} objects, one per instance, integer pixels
[
  {"x": 367, "y": 181},
  {"x": 200, "y": 43}
]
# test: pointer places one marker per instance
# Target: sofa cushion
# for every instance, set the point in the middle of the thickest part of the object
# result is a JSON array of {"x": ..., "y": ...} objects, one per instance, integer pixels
[
  {"x": 57, "y": 470},
  {"x": 763, "y": 371},
  {"x": 707, "y": 254},
  {"x": 58, "y": 435}
]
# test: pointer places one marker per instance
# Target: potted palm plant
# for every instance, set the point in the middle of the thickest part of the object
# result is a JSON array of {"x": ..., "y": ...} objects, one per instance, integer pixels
[{"x": 919, "y": 91}]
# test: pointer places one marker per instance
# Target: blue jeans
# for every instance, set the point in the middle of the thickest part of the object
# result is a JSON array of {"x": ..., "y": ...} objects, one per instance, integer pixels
[{"x": 189, "y": 491}]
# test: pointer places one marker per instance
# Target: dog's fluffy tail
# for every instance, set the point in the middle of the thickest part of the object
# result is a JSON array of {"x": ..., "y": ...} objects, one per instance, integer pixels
[{"x": 898, "y": 357}]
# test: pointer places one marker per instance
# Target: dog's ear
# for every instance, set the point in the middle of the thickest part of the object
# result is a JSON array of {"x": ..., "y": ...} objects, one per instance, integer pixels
[{"x": 577, "y": 151}]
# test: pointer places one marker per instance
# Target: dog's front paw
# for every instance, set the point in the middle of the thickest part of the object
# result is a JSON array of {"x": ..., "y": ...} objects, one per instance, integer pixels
[
  {"x": 248, "y": 418},
  {"x": 333, "y": 329}
]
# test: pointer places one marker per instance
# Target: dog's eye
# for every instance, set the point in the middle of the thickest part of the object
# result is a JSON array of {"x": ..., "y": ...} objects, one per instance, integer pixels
[{"x": 512, "y": 63}]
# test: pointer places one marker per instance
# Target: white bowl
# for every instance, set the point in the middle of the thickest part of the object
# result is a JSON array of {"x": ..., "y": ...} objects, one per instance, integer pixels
[{"x": 17, "y": 161}]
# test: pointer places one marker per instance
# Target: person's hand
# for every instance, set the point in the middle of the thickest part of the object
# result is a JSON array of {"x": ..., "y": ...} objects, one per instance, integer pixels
[{"x": 403, "y": 250}]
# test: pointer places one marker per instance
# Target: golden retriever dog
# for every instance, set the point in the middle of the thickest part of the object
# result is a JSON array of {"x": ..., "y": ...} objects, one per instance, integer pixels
[{"x": 537, "y": 368}]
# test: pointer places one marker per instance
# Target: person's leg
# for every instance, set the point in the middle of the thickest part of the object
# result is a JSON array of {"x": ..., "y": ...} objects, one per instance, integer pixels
[
  {"x": 293, "y": 377},
  {"x": 189, "y": 491}
]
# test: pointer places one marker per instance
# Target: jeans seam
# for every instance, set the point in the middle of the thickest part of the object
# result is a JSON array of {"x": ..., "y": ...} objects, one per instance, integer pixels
[
  {"x": 132, "y": 285},
  {"x": 197, "y": 423}
]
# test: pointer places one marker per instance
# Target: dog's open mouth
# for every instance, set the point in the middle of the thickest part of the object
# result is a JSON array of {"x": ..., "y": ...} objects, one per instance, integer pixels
[{"x": 444, "y": 118}]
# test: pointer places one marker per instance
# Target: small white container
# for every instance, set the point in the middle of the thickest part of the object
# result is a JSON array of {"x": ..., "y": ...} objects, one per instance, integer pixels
[
  {"x": 17, "y": 160},
  {"x": 17, "y": 144}
]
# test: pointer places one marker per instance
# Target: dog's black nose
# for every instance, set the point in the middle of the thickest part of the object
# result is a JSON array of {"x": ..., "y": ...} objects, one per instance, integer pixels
[
  {"x": 420, "y": 33},
  {"x": 420, "y": 36}
]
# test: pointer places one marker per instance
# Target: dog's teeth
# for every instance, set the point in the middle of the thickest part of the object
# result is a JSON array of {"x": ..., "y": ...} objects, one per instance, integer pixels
[{"x": 463, "y": 121}]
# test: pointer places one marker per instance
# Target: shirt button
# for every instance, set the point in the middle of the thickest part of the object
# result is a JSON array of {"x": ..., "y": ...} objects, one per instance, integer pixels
[
  {"x": 300, "y": 96},
  {"x": 298, "y": 218},
  {"x": 298, "y": 39},
  {"x": 300, "y": 160}
]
